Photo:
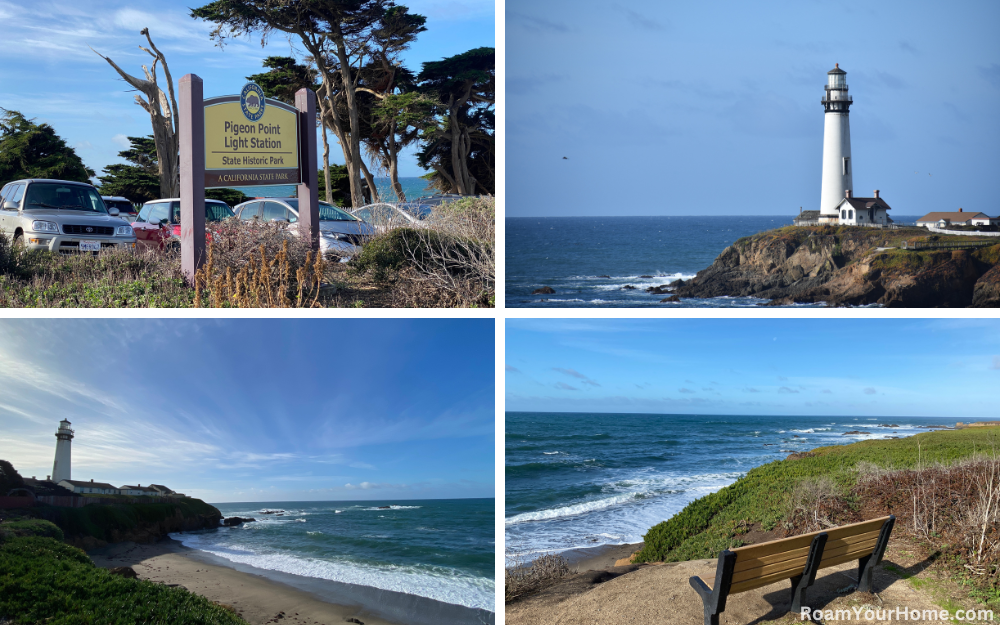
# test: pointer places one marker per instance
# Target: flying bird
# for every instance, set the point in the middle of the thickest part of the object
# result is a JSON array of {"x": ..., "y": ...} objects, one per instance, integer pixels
[{"x": 565, "y": 158}]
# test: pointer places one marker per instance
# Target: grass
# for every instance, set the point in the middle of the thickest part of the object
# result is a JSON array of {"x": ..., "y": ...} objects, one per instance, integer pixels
[
  {"x": 46, "y": 581},
  {"x": 708, "y": 525}
]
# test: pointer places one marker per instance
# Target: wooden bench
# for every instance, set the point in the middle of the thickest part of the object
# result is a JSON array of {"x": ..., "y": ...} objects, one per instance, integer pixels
[{"x": 797, "y": 558}]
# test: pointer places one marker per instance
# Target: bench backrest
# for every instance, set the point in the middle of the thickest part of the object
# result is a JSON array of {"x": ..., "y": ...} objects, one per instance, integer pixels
[{"x": 766, "y": 563}]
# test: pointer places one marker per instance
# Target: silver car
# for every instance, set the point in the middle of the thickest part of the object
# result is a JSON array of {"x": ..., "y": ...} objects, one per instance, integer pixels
[
  {"x": 340, "y": 232},
  {"x": 60, "y": 216},
  {"x": 384, "y": 216}
]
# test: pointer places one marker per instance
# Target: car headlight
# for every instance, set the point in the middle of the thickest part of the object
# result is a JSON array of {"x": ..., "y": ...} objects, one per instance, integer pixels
[
  {"x": 123, "y": 231},
  {"x": 44, "y": 226}
]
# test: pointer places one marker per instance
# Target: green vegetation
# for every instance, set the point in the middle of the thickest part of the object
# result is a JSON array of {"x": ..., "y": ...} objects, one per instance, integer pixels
[
  {"x": 30, "y": 527},
  {"x": 46, "y": 581},
  {"x": 102, "y": 521},
  {"x": 716, "y": 522},
  {"x": 139, "y": 179},
  {"x": 113, "y": 279},
  {"x": 30, "y": 150}
]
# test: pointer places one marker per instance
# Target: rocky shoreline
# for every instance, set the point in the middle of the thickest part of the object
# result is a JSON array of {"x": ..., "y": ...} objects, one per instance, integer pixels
[{"x": 845, "y": 266}]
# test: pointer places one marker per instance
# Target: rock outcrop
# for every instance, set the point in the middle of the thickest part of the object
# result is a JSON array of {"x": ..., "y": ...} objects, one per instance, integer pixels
[
  {"x": 844, "y": 266},
  {"x": 545, "y": 290}
]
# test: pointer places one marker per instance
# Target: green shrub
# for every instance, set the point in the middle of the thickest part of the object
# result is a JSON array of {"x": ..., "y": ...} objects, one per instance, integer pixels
[
  {"x": 705, "y": 526},
  {"x": 101, "y": 521},
  {"x": 29, "y": 527},
  {"x": 45, "y": 581}
]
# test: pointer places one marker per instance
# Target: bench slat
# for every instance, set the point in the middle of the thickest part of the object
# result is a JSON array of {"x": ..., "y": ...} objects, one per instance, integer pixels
[
  {"x": 794, "y": 566},
  {"x": 846, "y": 557},
  {"x": 744, "y": 563},
  {"x": 804, "y": 540}
]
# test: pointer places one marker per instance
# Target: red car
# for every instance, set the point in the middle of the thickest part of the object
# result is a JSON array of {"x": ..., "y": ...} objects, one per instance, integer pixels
[{"x": 159, "y": 222}]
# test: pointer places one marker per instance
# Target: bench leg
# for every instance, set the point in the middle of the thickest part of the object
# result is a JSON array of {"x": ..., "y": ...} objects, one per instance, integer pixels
[
  {"x": 866, "y": 574},
  {"x": 867, "y": 564},
  {"x": 714, "y": 600},
  {"x": 801, "y": 582},
  {"x": 798, "y": 593}
]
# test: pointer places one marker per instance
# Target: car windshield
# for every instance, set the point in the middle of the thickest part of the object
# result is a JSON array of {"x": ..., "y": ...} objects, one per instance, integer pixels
[
  {"x": 327, "y": 212},
  {"x": 420, "y": 211},
  {"x": 43, "y": 195},
  {"x": 214, "y": 211}
]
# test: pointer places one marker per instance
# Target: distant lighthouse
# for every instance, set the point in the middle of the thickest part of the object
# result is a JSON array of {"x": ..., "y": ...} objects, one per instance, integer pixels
[
  {"x": 62, "y": 467},
  {"x": 837, "y": 166}
]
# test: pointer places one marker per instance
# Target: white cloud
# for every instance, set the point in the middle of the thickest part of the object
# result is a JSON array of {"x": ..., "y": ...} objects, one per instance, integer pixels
[{"x": 121, "y": 140}]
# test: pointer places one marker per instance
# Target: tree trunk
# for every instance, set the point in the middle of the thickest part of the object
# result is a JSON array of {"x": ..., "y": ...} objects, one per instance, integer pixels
[
  {"x": 376, "y": 197},
  {"x": 326, "y": 164},
  {"x": 162, "y": 114},
  {"x": 355, "y": 165},
  {"x": 394, "y": 164}
]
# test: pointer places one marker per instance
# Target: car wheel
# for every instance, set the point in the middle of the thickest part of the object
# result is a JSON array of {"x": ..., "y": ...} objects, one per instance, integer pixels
[
  {"x": 174, "y": 247},
  {"x": 19, "y": 241}
]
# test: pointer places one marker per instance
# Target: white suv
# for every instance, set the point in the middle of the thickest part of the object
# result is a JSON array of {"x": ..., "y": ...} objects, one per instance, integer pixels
[{"x": 60, "y": 216}]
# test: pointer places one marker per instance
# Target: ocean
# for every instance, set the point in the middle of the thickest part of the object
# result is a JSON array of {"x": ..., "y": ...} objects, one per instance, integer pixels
[
  {"x": 589, "y": 260},
  {"x": 413, "y": 187},
  {"x": 438, "y": 549},
  {"x": 576, "y": 480}
]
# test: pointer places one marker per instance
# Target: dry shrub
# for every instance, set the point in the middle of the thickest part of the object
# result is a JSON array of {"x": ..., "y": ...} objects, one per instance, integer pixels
[
  {"x": 449, "y": 261},
  {"x": 262, "y": 281},
  {"x": 236, "y": 242},
  {"x": 956, "y": 505},
  {"x": 521, "y": 577},
  {"x": 809, "y": 502}
]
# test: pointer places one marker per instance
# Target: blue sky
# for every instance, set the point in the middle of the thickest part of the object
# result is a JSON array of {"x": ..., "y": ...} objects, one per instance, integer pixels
[
  {"x": 713, "y": 108},
  {"x": 842, "y": 367},
  {"x": 48, "y": 72},
  {"x": 256, "y": 410}
]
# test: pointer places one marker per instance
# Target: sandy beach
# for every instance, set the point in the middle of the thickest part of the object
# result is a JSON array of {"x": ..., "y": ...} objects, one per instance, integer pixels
[{"x": 271, "y": 597}]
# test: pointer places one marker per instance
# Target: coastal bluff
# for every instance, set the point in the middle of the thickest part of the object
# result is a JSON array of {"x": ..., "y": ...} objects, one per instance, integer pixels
[{"x": 850, "y": 266}]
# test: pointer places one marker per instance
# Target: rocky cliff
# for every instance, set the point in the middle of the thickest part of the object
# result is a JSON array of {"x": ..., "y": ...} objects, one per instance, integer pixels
[{"x": 845, "y": 266}]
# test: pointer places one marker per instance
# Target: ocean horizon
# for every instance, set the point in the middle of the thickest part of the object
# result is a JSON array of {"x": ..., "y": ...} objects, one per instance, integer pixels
[
  {"x": 440, "y": 549},
  {"x": 580, "y": 480},
  {"x": 591, "y": 261}
]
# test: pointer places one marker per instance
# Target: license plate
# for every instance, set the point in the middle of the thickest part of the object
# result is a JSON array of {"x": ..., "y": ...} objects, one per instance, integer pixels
[{"x": 90, "y": 246}]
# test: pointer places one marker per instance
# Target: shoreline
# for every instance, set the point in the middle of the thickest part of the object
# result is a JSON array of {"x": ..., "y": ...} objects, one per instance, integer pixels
[{"x": 258, "y": 595}]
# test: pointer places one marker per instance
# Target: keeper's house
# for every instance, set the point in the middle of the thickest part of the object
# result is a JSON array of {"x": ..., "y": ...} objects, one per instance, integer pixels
[
  {"x": 89, "y": 488},
  {"x": 960, "y": 218},
  {"x": 862, "y": 211}
]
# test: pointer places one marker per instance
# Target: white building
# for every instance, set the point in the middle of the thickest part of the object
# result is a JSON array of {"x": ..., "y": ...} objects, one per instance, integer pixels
[
  {"x": 62, "y": 467},
  {"x": 91, "y": 487},
  {"x": 138, "y": 491},
  {"x": 837, "y": 166},
  {"x": 863, "y": 211},
  {"x": 959, "y": 218}
]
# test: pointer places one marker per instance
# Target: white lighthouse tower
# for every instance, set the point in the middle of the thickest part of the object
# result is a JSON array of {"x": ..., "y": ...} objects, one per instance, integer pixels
[
  {"x": 837, "y": 166},
  {"x": 62, "y": 467}
]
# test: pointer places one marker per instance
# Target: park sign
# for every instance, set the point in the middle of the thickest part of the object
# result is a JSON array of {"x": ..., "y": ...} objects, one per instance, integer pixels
[{"x": 250, "y": 140}]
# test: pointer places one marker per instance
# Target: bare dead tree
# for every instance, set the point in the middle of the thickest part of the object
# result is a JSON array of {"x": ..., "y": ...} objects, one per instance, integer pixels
[{"x": 162, "y": 114}]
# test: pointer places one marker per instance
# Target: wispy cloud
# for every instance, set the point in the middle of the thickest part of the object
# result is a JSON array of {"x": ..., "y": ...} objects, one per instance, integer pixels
[{"x": 576, "y": 374}]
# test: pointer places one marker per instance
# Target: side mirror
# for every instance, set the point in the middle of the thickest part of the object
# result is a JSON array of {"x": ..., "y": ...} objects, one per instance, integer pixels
[
  {"x": 113, "y": 212},
  {"x": 10, "y": 206}
]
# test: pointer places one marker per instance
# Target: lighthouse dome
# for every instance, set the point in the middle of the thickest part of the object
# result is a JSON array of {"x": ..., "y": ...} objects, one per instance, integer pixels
[{"x": 836, "y": 69}]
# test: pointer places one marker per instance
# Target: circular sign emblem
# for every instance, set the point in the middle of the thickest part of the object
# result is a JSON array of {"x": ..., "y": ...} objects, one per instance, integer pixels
[{"x": 252, "y": 102}]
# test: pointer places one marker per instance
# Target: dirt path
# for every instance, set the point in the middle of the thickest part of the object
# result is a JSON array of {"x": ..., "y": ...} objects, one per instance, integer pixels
[{"x": 661, "y": 594}]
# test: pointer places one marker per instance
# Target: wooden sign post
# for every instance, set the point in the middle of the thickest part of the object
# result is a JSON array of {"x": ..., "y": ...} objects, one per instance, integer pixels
[
  {"x": 192, "y": 165},
  {"x": 308, "y": 192},
  {"x": 240, "y": 141}
]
